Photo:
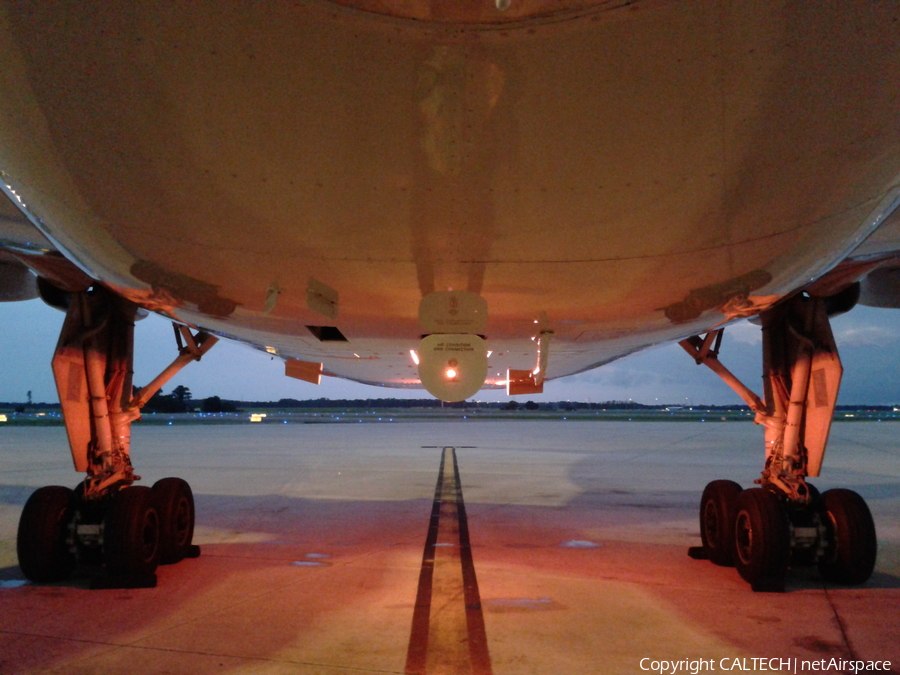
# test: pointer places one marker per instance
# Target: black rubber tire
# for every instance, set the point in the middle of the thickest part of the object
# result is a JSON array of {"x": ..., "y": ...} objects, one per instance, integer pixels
[
  {"x": 718, "y": 509},
  {"x": 853, "y": 547},
  {"x": 175, "y": 506},
  {"x": 44, "y": 555},
  {"x": 762, "y": 539},
  {"x": 131, "y": 535},
  {"x": 814, "y": 495}
]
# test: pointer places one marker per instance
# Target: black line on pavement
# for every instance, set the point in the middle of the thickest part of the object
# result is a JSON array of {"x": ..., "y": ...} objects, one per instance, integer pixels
[
  {"x": 479, "y": 656},
  {"x": 417, "y": 652}
]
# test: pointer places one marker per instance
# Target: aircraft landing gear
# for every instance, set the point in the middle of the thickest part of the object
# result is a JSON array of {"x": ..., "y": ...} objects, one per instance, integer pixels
[
  {"x": 106, "y": 520},
  {"x": 763, "y": 531}
]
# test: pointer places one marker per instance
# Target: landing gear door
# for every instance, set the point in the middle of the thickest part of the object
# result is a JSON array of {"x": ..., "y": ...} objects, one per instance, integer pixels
[
  {"x": 71, "y": 385},
  {"x": 824, "y": 383}
]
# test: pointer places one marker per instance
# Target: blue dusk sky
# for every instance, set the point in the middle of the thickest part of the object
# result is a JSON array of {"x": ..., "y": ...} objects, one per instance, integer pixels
[{"x": 868, "y": 339}]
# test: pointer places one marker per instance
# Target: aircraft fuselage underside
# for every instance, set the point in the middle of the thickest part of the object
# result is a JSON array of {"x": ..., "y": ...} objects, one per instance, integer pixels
[{"x": 455, "y": 195}]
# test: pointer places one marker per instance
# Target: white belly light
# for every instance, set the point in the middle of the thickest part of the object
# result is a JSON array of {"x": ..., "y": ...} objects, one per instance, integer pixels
[
  {"x": 452, "y": 367},
  {"x": 452, "y": 363}
]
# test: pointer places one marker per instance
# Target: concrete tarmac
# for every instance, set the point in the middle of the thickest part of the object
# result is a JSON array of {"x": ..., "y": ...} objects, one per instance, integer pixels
[{"x": 314, "y": 553}]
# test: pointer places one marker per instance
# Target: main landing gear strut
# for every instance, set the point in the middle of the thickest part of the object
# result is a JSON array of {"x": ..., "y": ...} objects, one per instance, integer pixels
[
  {"x": 106, "y": 519},
  {"x": 785, "y": 522}
]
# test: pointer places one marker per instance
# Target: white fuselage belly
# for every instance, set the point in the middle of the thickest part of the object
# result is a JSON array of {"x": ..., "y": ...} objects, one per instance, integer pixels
[{"x": 636, "y": 175}]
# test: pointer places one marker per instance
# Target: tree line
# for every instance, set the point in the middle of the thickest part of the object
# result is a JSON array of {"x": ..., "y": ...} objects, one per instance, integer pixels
[{"x": 180, "y": 400}]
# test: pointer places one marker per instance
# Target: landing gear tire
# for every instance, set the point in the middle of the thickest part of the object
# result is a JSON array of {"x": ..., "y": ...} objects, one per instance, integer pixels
[
  {"x": 850, "y": 556},
  {"x": 718, "y": 510},
  {"x": 814, "y": 495},
  {"x": 175, "y": 506},
  {"x": 131, "y": 535},
  {"x": 762, "y": 540},
  {"x": 44, "y": 553}
]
